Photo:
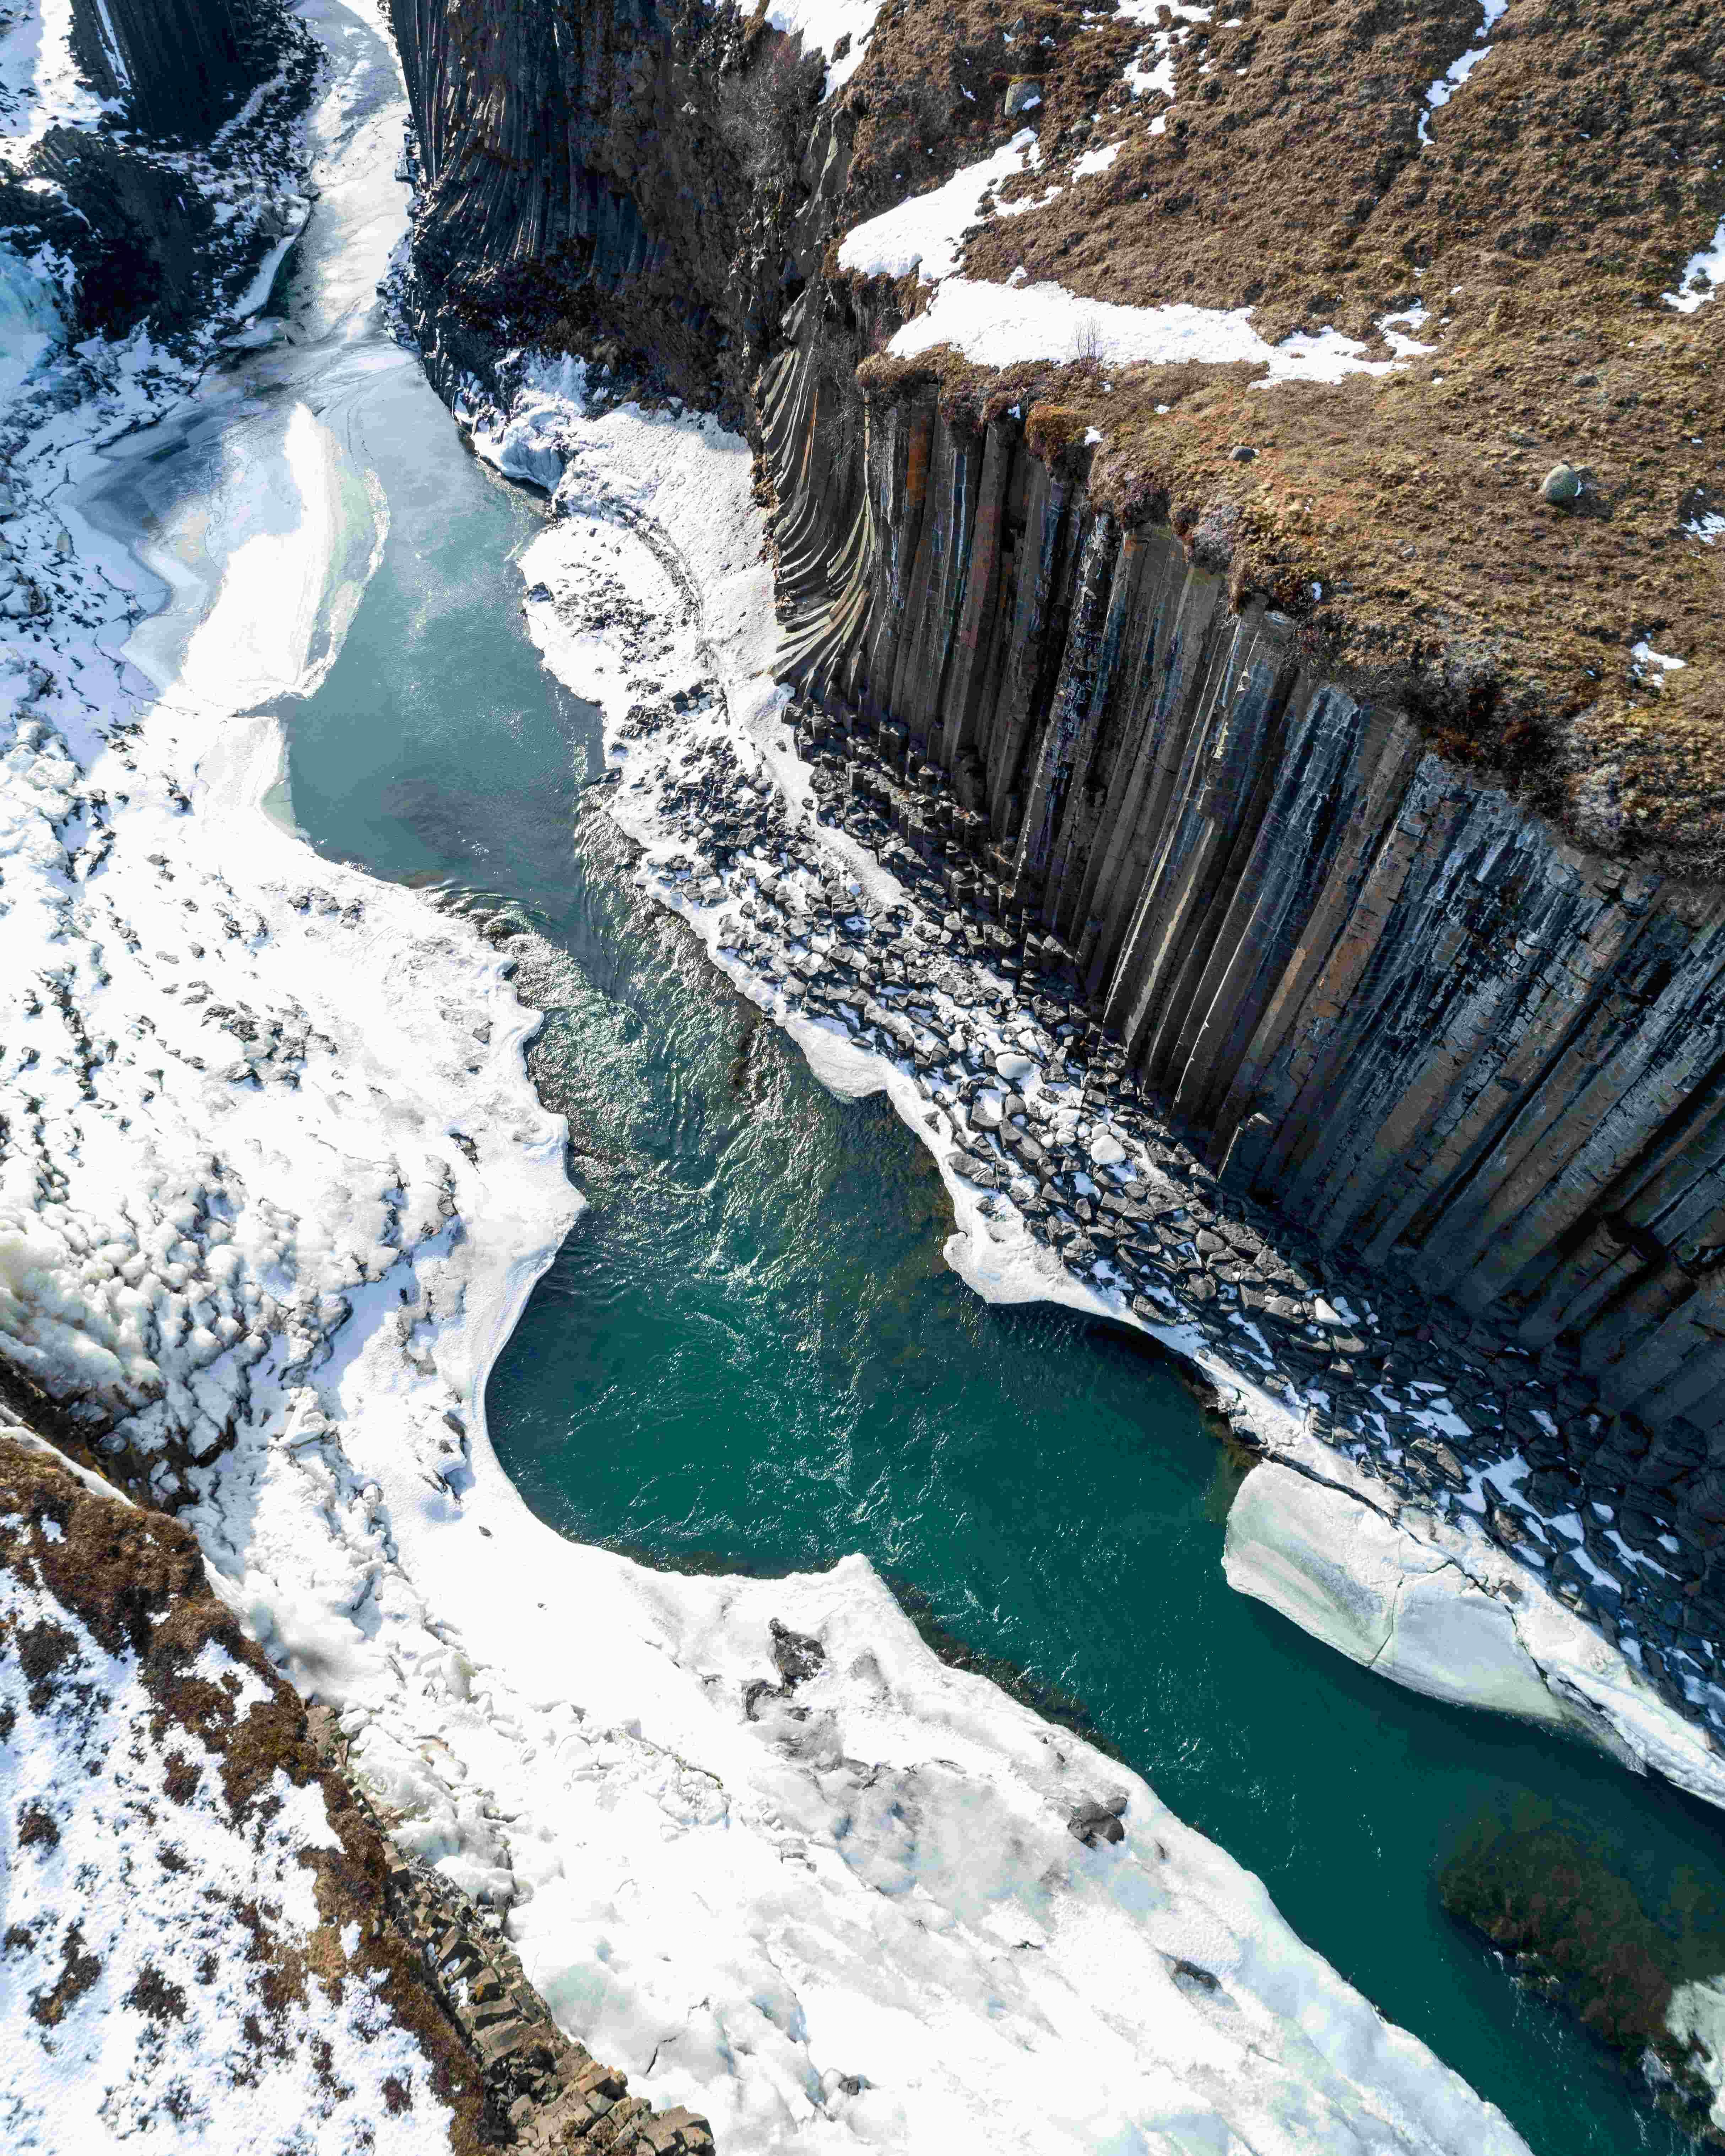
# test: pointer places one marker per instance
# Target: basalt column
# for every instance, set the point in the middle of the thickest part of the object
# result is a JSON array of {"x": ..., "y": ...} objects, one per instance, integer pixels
[{"x": 1382, "y": 996}]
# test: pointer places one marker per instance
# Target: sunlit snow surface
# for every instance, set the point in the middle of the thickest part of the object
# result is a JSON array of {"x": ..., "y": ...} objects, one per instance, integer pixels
[
  {"x": 40, "y": 86},
  {"x": 1006, "y": 325},
  {"x": 926, "y": 232},
  {"x": 1703, "y": 274}
]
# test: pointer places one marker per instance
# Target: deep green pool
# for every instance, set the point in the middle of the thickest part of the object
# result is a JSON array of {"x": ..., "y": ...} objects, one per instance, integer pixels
[{"x": 750, "y": 1353}]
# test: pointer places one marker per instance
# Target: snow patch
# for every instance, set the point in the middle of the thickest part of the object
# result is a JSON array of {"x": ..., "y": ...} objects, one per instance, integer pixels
[
  {"x": 1702, "y": 276},
  {"x": 1096, "y": 160},
  {"x": 926, "y": 233},
  {"x": 998, "y": 326},
  {"x": 41, "y": 85},
  {"x": 822, "y": 24},
  {"x": 1446, "y": 87}
]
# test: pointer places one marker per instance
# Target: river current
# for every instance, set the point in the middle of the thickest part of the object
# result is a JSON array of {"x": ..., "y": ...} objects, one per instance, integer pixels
[{"x": 750, "y": 1355}]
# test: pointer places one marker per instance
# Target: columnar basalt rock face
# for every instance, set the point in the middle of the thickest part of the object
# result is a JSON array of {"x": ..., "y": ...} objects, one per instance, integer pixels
[
  {"x": 137, "y": 203},
  {"x": 613, "y": 171},
  {"x": 177, "y": 67},
  {"x": 1385, "y": 999}
]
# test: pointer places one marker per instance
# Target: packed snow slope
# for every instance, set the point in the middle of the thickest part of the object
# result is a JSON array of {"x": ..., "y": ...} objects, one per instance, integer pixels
[{"x": 277, "y": 1186}]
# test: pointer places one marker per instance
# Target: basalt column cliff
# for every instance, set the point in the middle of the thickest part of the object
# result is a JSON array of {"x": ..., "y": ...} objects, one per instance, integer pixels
[{"x": 1328, "y": 732}]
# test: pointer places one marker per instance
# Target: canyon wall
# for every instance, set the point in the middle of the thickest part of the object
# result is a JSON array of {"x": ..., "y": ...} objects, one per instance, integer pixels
[
  {"x": 611, "y": 171},
  {"x": 1383, "y": 996},
  {"x": 177, "y": 67},
  {"x": 1387, "y": 1000}
]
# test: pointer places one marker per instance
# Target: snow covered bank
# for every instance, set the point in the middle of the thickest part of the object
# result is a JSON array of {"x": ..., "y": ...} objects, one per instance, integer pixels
[
  {"x": 824, "y": 26},
  {"x": 185, "y": 1955}
]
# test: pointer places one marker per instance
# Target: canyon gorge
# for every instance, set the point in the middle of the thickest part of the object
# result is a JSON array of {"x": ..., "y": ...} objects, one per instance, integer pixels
[{"x": 1144, "y": 585}]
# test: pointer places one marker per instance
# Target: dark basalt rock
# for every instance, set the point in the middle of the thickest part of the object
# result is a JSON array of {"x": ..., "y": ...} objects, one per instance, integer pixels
[{"x": 1099, "y": 1823}]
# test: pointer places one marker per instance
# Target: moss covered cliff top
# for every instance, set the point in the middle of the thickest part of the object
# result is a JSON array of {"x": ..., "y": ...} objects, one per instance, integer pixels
[{"x": 1536, "y": 227}]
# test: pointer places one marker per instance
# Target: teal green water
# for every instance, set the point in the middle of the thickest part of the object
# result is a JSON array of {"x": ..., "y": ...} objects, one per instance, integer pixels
[{"x": 750, "y": 1353}]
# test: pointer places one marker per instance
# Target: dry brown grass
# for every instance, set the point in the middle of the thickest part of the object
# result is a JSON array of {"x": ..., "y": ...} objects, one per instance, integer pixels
[{"x": 1564, "y": 189}]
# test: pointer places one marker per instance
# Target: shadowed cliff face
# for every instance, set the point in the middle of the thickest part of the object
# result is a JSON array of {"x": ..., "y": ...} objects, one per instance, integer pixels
[
  {"x": 1383, "y": 996},
  {"x": 603, "y": 172},
  {"x": 178, "y": 67}
]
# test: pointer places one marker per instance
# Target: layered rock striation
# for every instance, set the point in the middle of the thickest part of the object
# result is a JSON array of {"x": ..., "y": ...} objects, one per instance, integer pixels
[
  {"x": 175, "y": 67},
  {"x": 1384, "y": 996}
]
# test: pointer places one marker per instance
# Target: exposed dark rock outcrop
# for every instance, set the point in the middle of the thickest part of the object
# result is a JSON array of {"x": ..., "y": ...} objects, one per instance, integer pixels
[
  {"x": 603, "y": 173},
  {"x": 129, "y": 206},
  {"x": 177, "y": 67}
]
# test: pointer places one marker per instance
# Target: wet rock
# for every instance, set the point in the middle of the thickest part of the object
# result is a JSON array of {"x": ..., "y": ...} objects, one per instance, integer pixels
[
  {"x": 1561, "y": 486},
  {"x": 1098, "y": 1821},
  {"x": 1573, "y": 1932}
]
